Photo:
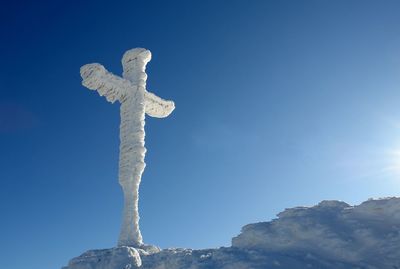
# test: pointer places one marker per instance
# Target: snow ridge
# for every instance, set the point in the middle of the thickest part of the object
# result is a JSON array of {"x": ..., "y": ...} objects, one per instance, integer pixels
[{"x": 330, "y": 235}]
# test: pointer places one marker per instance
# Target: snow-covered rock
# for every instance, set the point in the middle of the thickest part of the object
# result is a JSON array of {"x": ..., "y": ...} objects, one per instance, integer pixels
[
  {"x": 120, "y": 257},
  {"x": 367, "y": 234},
  {"x": 330, "y": 235}
]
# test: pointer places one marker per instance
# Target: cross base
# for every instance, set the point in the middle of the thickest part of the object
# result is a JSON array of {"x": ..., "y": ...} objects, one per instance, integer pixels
[{"x": 123, "y": 257}]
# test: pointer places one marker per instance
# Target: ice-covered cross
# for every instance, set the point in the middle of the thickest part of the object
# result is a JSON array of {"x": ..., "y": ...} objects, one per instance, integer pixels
[{"x": 135, "y": 101}]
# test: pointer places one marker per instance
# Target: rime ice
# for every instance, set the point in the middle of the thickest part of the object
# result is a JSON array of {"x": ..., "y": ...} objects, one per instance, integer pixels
[
  {"x": 136, "y": 101},
  {"x": 330, "y": 235}
]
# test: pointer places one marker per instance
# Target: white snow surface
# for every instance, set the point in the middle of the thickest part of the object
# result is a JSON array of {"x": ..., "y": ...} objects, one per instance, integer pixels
[{"x": 330, "y": 235}]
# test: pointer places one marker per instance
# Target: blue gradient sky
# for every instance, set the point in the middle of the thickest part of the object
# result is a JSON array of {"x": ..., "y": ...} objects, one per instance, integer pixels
[{"x": 279, "y": 104}]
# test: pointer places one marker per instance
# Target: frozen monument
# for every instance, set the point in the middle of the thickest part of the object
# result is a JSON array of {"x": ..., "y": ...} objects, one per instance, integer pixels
[{"x": 130, "y": 90}]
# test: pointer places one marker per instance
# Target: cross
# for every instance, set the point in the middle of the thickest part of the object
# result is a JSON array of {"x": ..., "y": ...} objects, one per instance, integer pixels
[{"x": 136, "y": 101}]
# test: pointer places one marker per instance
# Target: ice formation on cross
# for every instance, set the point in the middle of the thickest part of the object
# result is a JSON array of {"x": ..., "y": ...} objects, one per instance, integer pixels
[{"x": 136, "y": 101}]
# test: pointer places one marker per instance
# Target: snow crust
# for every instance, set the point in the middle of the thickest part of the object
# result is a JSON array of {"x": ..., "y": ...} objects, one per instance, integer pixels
[
  {"x": 367, "y": 234},
  {"x": 130, "y": 91},
  {"x": 121, "y": 258},
  {"x": 330, "y": 235}
]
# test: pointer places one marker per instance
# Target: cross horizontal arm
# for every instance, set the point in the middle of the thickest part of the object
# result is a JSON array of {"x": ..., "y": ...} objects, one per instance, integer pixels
[
  {"x": 96, "y": 77},
  {"x": 157, "y": 107}
]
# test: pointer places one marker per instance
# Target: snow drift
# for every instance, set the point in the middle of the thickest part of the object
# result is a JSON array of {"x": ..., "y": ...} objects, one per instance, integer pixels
[{"x": 330, "y": 235}]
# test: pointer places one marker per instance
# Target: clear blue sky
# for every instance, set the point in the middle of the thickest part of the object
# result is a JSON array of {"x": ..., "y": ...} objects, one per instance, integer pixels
[{"x": 278, "y": 104}]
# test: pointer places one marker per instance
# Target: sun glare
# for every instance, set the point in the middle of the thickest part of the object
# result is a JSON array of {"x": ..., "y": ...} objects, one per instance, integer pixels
[{"x": 393, "y": 166}]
